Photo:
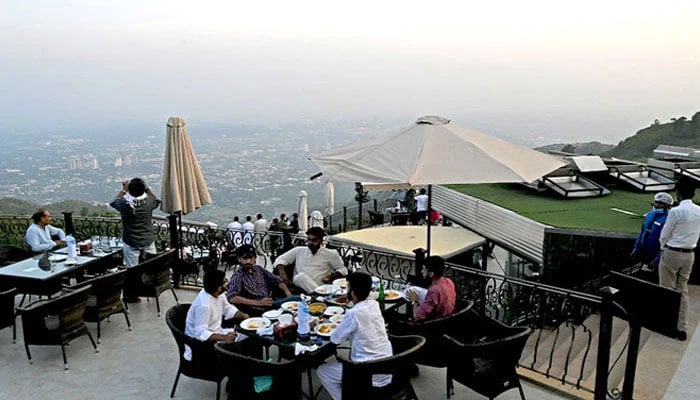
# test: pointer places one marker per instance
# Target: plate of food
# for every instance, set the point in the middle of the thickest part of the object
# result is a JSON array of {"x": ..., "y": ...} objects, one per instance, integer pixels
[
  {"x": 252, "y": 324},
  {"x": 334, "y": 310},
  {"x": 317, "y": 308},
  {"x": 341, "y": 283},
  {"x": 336, "y": 319},
  {"x": 325, "y": 290},
  {"x": 272, "y": 314},
  {"x": 392, "y": 295},
  {"x": 290, "y": 306},
  {"x": 325, "y": 329}
]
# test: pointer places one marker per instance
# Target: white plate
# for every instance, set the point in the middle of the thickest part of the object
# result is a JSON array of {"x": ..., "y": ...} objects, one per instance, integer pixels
[
  {"x": 333, "y": 310},
  {"x": 336, "y": 318},
  {"x": 392, "y": 295},
  {"x": 326, "y": 289},
  {"x": 252, "y": 324},
  {"x": 272, "y": 314},
  {"x": 290, "y": 306},
  {"x": 57, "y": 258},
  {"x": 325, "y": 329},
  {"x": 341, "y": 283}
]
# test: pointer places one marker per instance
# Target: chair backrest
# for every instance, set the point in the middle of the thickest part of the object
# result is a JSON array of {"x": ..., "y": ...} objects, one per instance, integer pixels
[
  {"x": 151, "y": 276},
  {"x": 105, "y": 291},
  {"x": 12, "y": 254},
  {"x": 176, "y": 317},
  {"x": 7, "y": 307},
  {"x": 242, "y": 369},
  {"x": 357, "y": 376},
  {"x": 50, "y": 321}
]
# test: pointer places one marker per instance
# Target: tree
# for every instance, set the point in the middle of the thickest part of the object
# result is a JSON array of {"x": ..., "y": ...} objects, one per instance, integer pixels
[
  {"x": 569, "y": 148},
  {"x": 84, "y": 212}
]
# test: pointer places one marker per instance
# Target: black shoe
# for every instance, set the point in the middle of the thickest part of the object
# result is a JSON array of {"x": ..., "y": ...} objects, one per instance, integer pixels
[{"x": 682, "y": 336}]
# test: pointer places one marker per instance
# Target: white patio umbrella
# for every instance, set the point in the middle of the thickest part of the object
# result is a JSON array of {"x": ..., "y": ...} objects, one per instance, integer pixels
[
  {"x": 184, "y": 189},
  {"x": 302, "y": 210},
  {"x": 330, "y": 197},
  {"x": 430, "y": 151}
]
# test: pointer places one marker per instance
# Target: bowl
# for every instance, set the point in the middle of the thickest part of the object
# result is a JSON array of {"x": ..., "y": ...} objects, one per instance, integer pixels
[{"x": 317, "y": 308}]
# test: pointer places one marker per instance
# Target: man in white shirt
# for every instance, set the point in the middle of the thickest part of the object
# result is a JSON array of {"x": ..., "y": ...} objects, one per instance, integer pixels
[
  {"x": 363, "y": 327},
  {"x": 678, "y": 239},
  {"x": 40, "y": 234},
  {"x": 261, "y": 240},
  {"x": 204, "y": 317},
  {"x": 314, "y": 264},
  {"x": 421, "y": 207}
]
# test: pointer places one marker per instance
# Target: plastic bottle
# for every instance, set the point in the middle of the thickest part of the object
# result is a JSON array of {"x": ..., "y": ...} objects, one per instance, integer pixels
[
  {"x": 303, "y": 320},
  {"x": 70, "y": 243},
  {"x": 380, "y": 298}
]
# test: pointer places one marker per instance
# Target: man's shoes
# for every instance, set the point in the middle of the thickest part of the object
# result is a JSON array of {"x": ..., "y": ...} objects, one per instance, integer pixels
[{"x": 682, "y": 336}]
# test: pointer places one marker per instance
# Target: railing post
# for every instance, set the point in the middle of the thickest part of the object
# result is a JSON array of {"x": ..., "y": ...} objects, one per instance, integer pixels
[
  {"x": 345, "y": 218},
  {"x": 632, "y": 352},
  {"x": 604, "y": 343},
  {"x": 174, "y": 233},
  {"x": 68, "y": 223},
  {"x": 375, "y": 205}
]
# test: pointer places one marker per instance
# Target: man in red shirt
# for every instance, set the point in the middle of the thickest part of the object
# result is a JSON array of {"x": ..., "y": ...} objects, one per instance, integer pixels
[{"x": 439, "y": 301}]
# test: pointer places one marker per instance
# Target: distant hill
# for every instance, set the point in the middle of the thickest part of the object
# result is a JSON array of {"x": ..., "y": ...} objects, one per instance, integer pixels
[
  {"x": 589, "y": 148},
  {"x": 679, "y": 132},
  {"x": 12, "y": 206}
]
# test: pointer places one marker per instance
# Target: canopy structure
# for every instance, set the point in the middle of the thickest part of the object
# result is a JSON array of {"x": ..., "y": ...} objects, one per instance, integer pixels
[
  {"x": 184, "y": 189},
  {"x": 433, "y": 150}
]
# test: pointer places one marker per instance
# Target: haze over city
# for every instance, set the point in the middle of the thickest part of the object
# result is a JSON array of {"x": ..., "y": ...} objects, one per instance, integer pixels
[{"x": 598, "y": 70}]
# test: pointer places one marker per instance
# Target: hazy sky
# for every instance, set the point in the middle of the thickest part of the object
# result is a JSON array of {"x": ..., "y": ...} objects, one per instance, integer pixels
[{"x": 533, "y": 68}]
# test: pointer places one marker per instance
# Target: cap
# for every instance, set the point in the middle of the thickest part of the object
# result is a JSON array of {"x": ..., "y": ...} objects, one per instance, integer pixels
[
  {"x": 246, "y": 251},
  {"x": 663, "y": 197}
]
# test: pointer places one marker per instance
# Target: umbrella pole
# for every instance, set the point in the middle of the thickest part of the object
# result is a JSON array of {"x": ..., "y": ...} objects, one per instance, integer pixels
[{"x": 430, "y": 208}]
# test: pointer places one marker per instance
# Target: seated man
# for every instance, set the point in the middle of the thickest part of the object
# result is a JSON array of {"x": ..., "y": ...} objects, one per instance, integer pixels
[
  {"x": 207, "y": 309},
  {"x": 251, "y": 284},
  {"x": 40, "y": 235},
  {"x": 363, "y": 326},
  {"x": 315, "y": 264},
  {"x": 439, "y": 300}
]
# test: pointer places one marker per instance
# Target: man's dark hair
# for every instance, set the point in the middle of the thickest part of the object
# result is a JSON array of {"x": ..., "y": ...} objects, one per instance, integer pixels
[
  {"x": 212, "y": 280},
  {"x": 248, "y": 218},
  {"x": 685, "y": 189},
  {"x": 316, "y": 231},
  {"x": 422, "y": 191},
  {"x": 235, "y": 218},
  {"x": 435, "y": 264},
  {"x": 38, "y": 214},
  {"x": 245, "y": 251},
  {"x": 360, "y": 283},
  {"x": 137, "y": 187},
  {"x": 259, "y": 216},
  {"x": 295, "y": 215}
]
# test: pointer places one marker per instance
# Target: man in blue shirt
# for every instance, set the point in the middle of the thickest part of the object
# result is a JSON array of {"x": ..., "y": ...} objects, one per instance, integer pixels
[
  {"x": 41, "y": 235},
  {"x": 647, "y": 249}
]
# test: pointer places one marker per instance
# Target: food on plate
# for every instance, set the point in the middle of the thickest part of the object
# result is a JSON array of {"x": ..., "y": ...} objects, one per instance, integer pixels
[
  {"x": 336, "y": 319},
  {"x": 333, "y": 310},
  {"x": 291, "y": 305},
  {"x": 255, "y": 323},
  {"x": 341, "y": 282},
  {"x": 317, "y": 308},
  {"x": 325, "y": 329},
  {"x": 392, "y": 295}
]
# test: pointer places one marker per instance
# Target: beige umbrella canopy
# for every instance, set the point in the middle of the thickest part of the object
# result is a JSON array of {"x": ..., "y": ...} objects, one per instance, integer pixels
[
  {"x": 184, "y": 189},
  {"x": 433, "y": 150}
]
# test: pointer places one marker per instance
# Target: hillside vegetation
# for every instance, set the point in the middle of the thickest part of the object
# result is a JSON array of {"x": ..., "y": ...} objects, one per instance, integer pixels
[{"x": 12, "y": 206}]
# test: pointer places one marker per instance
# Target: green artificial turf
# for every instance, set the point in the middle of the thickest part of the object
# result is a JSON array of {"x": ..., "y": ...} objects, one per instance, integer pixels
[{"x": 589, "y": 213}]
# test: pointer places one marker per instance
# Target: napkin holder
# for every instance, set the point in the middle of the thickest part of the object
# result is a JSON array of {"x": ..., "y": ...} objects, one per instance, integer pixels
[
  {"x": 286, "y": 332},
  {"x": 85, "y": 247}
]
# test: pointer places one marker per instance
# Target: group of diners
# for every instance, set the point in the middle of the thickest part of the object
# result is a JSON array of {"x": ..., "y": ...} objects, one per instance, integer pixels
[{"x": 252, "y": 288}]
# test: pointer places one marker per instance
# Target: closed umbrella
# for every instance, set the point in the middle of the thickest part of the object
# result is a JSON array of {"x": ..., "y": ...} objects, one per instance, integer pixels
[
  {"x": 433, "y": 150},
  {"x": 302, "y": 210},
  {"x": 330, "y": 197}
]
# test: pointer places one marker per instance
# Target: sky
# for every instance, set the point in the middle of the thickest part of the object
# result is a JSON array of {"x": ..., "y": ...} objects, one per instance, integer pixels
[{"x": 556, "y": 70}]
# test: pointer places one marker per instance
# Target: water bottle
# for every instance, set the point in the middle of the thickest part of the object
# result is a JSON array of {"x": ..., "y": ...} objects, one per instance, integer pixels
[
  {"x": 70, "y": 242},
  {"x": 303, "y": 319}
]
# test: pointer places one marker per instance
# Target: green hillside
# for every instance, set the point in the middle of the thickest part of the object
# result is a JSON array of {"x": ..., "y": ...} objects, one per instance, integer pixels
[
  {"x": 12, "y": 206},
  {"x": 679, "y": 132}
]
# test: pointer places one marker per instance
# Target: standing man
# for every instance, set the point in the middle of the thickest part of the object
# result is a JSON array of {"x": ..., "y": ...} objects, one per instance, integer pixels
[
  {"x": 248, "y": 225},
  {"x": 678, "y": 239},
  {"x": 421, "y": 207},
  {"x": 439, "y": 300},
  {"x": 40, "y": 235},
  {"x": 135, "y": 202},
  {"x": 363, "y": 326},
  {"x": 314, "y": 264},
  {"x": 647, "y": 249},
  {"x": 261, "y": 239}
]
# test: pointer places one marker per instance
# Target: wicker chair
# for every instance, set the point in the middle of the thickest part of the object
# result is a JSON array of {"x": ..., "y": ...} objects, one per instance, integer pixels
[
  {"x": 357, "y": 376},
  {"x": 12, "y": 254},
  {"x": 105, "y": 299},
  {"x": 203, "y": 364},
  {"x": 151, "y": 278},
  {"x": 484, "y": 359},
  {"x": 7, "y": 311},
  {"x": 56, "y": 322},
  {"x": 242, "y": 370},
  {"x": 433, "y": 353}
]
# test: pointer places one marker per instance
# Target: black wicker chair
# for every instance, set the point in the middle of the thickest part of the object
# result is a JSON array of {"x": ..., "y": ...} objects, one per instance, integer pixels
[
  {"x": 357, "y": 376},
  {"x": 105, "y": 299},
  {"x": 484, "y": 359},
  {"x": 56, "y": 322},
  {"x": 203, "y": 364},
  {"x": 151, "y": 278},
  {"x": 433, "y": 354},
  {"x": 12, "y": 254},
  {"x": 7, "y": 311},
  {"x": 242, "y": 369}
]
